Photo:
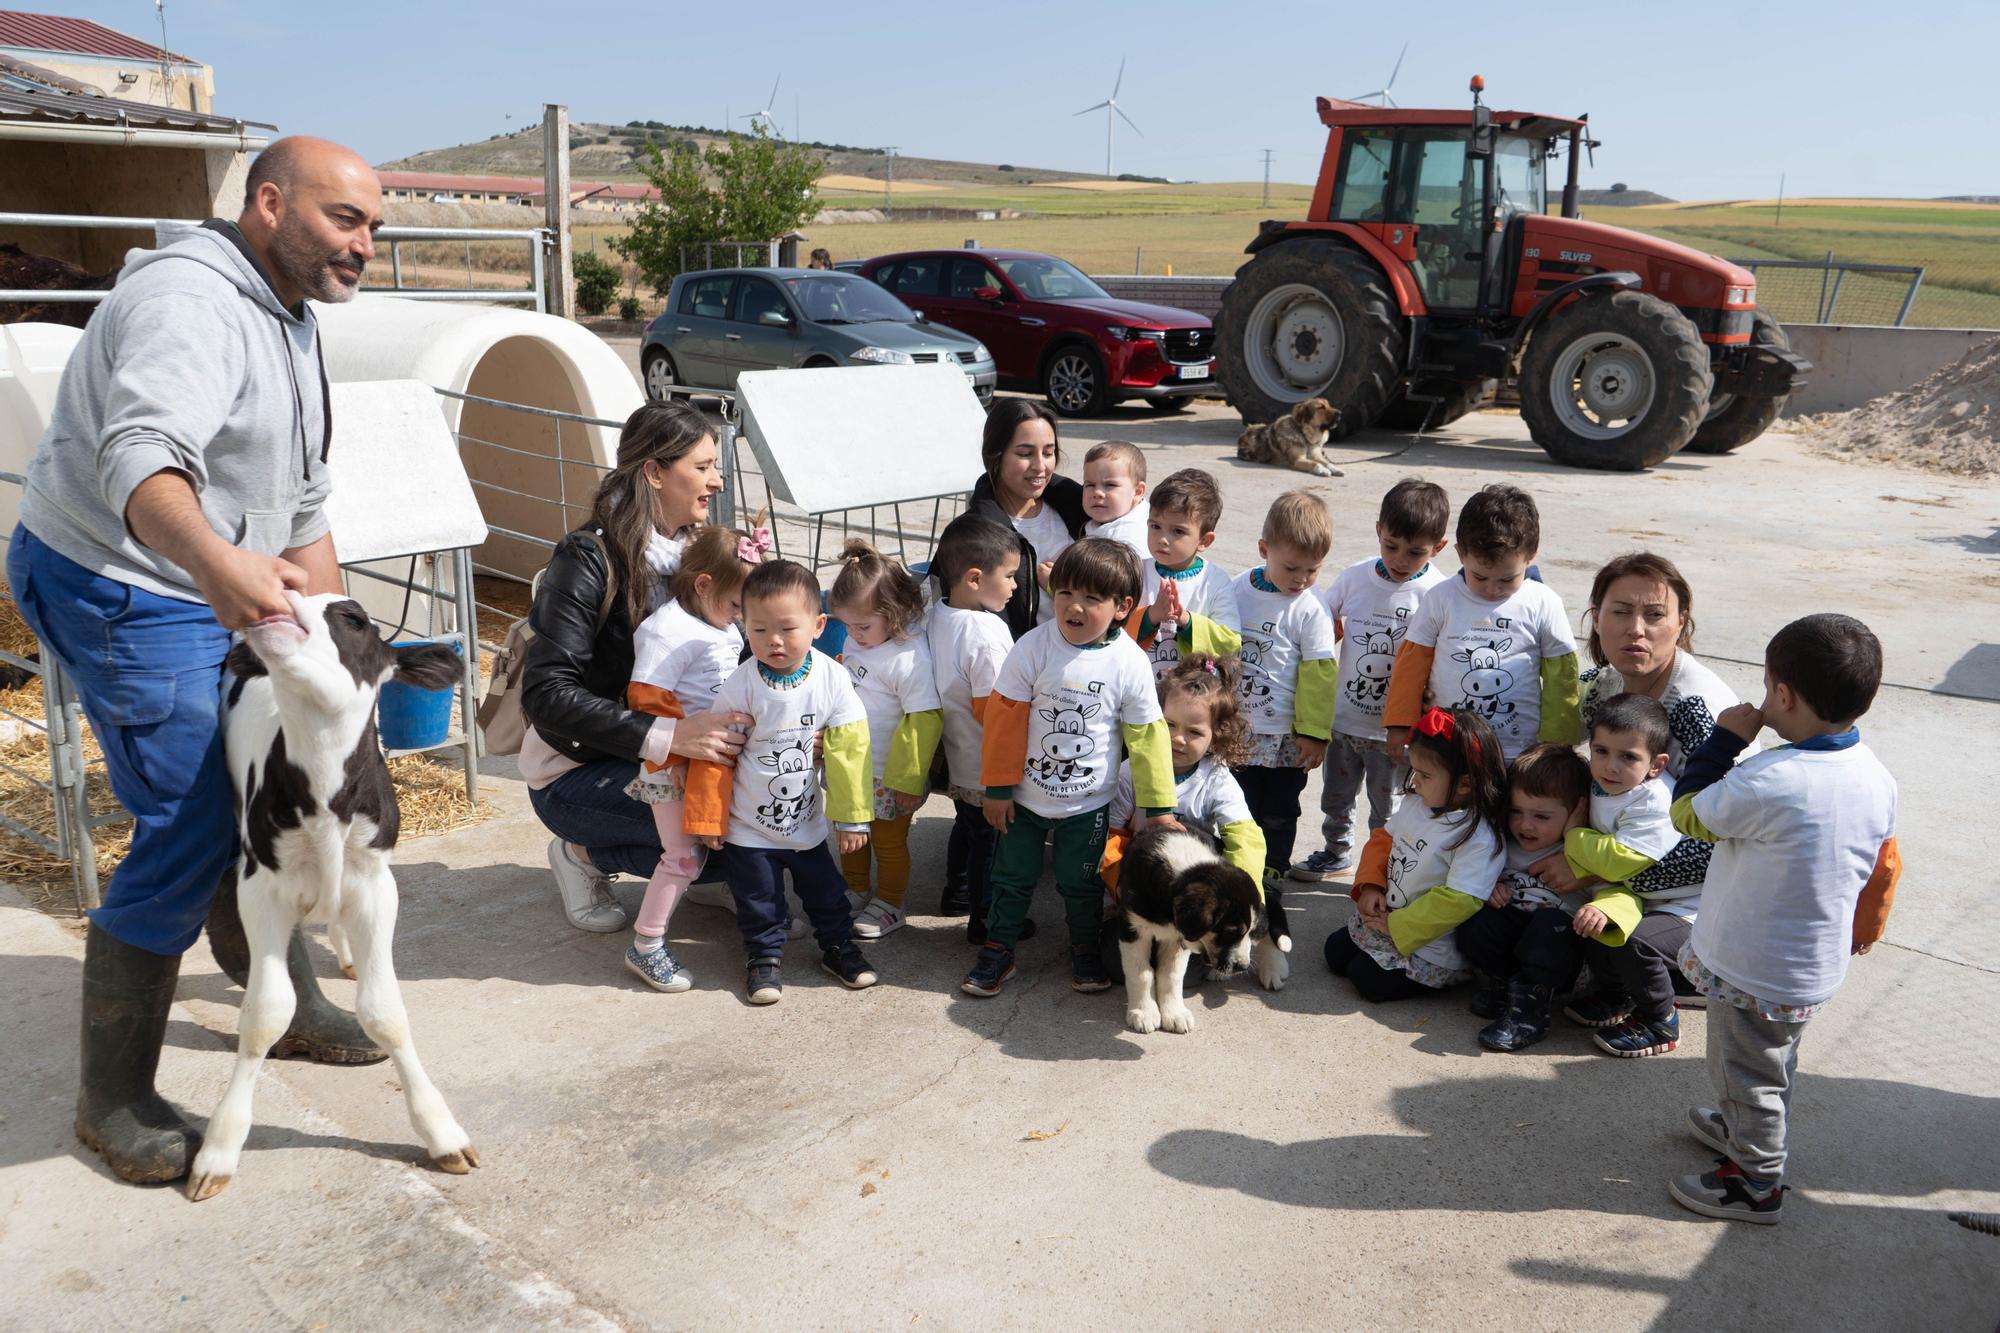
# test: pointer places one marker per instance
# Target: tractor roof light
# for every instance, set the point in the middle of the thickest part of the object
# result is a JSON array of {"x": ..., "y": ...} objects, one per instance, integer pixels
[{"x": 1479, "y": 83}]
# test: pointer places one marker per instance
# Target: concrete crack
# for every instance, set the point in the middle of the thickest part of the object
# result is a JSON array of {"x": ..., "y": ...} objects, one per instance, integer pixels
[{"x": 1941, "y": 957}]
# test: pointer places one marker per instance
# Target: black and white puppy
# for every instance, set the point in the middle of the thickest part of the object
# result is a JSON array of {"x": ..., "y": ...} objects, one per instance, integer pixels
[{"x": 1178, "y": 897}]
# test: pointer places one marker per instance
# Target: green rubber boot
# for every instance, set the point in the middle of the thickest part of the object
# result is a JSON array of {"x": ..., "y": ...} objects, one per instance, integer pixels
[{"x": 126, "y": 995}]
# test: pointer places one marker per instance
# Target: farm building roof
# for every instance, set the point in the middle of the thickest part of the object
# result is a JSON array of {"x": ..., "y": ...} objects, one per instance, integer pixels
[
  {"x": 52, "y": 32},
  {"x": 30, "y": 96},
  {"x": 525, "y": 186}
]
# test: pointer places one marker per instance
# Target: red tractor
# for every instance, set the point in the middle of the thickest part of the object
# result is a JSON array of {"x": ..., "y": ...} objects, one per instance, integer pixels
[{"x": 1429, "y": 268}]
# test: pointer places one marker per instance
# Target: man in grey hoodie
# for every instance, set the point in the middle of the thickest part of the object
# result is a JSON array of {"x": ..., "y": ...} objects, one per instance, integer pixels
[{"x": 178, "y": 495}]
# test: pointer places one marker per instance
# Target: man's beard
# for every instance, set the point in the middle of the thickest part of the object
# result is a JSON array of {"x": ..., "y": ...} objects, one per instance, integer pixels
[{"x": 306, "y": 264}]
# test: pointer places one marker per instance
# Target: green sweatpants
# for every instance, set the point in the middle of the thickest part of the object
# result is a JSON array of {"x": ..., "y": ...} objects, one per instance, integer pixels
[{"x": 1017, "y": 865}]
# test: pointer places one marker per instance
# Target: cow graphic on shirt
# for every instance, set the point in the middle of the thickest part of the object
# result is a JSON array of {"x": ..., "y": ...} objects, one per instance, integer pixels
[
  {"x": 1367, "y": 687},
  {"x": 1485, "y": 680},
  {"x": 1401, "y": 864},
  {"x": 1255, "y": 686},
  {"x": 1065, "y": 745},
  {"x": 792, "y": 787}
]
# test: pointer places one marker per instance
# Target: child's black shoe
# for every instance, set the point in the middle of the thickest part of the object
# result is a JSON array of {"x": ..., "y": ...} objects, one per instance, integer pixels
[
  {"x": 990, "y": 971},
  {"x": 1526, "y": 1020},
  {"x": 846, "y": 962},
  {"x": 956, "y": 900},
  {"x": 1086, "y": 972},
  {"x": 764, "y": 981}
]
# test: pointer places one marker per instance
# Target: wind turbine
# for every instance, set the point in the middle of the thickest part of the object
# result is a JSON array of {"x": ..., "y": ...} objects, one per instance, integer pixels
[
  {"x": 770, "y": 122},
  {"x": 1383, "y": 91},
  {"x": 1113, "y": 113}
]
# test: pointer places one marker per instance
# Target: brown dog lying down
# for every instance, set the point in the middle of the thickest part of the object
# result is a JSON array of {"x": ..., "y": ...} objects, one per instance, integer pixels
[{"x": 1296, "y": 440}]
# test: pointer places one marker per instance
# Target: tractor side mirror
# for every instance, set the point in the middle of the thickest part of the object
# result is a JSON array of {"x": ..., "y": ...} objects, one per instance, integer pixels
[{"x": 1482, "y": 132}]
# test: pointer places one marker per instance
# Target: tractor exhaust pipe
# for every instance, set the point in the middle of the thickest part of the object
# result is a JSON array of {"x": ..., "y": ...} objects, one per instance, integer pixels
[{"x": 1569, "y": 186}]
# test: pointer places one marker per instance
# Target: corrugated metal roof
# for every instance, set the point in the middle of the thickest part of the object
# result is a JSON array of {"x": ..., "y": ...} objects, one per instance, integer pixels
[
  {"x": 52, "y": 32},
  {"x": 23, "y": 99}
]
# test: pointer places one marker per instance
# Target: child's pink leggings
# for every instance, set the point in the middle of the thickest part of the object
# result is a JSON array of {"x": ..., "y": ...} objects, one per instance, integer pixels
[{"x": 680, "y": 861}]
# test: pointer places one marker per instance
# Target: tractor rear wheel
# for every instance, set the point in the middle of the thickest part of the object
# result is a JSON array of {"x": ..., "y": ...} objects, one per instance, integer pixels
[
  {"x": 1453, "y": 402},
  {"x": 1310, "y": 319},
  {"x": 1615, "y": 381},
  {"x": 1733, "y": 421}
]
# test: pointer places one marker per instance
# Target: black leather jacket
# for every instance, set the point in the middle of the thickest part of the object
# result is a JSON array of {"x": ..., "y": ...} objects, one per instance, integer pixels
[
  {"x": 1065, "y": 496},
  {"x": 573, "y": 683}
]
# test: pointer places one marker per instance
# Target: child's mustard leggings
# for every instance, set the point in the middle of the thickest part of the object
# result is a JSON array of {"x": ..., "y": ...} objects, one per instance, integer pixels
[{"x": 889, "y": 840}]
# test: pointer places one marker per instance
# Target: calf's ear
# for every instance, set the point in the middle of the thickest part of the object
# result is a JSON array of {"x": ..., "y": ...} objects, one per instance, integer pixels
[{"x": 428, "y": 666}]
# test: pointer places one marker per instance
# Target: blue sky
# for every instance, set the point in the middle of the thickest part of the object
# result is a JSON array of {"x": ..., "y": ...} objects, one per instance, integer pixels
[{"x": 1695, "y": 100}]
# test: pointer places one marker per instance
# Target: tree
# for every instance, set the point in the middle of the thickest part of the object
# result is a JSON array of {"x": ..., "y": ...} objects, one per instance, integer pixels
[
  {"x": 596, "y": 282},
  {"x": 750, "y": 188},
  {"x": 1618, "y": 187}
]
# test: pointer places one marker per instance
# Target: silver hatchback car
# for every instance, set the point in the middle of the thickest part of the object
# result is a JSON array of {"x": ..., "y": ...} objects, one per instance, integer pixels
[{"x": 722, "y": 322}]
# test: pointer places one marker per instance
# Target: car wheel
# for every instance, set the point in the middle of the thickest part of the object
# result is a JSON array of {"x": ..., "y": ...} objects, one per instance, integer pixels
[
  {"x": 1074, "y": 382},
  {"x": 662, "y": 380}
]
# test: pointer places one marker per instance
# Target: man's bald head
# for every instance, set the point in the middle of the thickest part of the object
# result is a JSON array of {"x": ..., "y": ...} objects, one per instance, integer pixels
[{"x": 310, "y": 210}]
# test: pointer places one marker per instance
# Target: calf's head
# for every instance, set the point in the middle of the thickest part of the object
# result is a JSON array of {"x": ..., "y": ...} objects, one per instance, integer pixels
[{"x": 327, "y": 656}]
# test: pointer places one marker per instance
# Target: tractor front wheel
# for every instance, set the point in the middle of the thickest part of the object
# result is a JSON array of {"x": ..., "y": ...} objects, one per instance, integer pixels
[
  {"x": 1615, "y": 381},
  {"x": 1733, "y": 421},
  {"x": 1309, "y": 319}
]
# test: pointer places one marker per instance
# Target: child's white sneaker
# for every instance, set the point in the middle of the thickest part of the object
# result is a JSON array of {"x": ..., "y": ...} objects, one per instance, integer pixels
[{"x": 876, "y": 920}]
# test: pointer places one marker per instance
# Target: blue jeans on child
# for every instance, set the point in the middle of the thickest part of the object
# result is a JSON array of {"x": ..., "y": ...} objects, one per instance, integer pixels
[
  {"x": 148, "y": 671},
  {"x": 1352, "y": 761},
  {"x": 756, "y": 877}
]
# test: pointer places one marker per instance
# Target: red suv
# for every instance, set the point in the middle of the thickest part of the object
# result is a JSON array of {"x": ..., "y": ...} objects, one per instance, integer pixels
[{"x": 1051, "y": 328}]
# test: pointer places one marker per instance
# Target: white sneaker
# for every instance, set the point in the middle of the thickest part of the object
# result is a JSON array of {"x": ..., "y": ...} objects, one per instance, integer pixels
[
  {"x": 876, "y": 920},
  {"x": 718, "y": 895},
  {"x": 586, "y": 891}
]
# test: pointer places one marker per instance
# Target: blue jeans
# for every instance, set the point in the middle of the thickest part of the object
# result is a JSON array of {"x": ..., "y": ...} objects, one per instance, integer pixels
[
  {"x": 757, "y": 879},
  {"x": 148, "y": 671},
  {"x": 588, "y": 806}
]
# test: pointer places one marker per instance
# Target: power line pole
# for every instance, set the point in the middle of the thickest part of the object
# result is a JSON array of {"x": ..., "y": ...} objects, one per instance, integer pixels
[
  {"x": 559, "y": 280},
  {"x": 1779, "y": 221},
  {"x": 889, "y": 185},
  {"x": 1267, "y": 178}
]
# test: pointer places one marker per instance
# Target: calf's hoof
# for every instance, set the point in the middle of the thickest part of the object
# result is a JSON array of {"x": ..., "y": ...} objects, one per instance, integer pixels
[
  {"x": 202, "y": 1185},
  {"x": 458, "y": 1163}
]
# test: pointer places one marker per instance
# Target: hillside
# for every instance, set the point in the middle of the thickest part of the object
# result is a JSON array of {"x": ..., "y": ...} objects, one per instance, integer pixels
[
  {"x": 615, "y": 152},
  {"x": 1614, "y": 198}
]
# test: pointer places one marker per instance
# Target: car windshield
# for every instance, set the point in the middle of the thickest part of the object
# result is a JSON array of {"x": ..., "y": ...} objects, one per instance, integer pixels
[
  {"x": 837, "y": 298},
  {"x": 1043, "y": 279}
]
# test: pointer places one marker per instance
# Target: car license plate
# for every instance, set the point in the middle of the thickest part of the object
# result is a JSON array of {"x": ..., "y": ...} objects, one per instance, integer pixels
[{"x": 1194, "y": 372}]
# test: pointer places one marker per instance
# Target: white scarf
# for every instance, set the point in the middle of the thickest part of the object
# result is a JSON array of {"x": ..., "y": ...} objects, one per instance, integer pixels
[{"x": 663, "y": 553}]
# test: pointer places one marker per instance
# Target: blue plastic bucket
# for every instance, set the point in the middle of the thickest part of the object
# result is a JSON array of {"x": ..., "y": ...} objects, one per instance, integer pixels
[
  {"x": 413, "y": 719},
  {"x": 833, "y": 639}
]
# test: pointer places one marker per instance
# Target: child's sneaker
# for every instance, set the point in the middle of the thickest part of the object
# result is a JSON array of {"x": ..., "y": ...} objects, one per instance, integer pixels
[
  {"x": 1634, "y": 1039},
  {"x": 846, "y": 962},
  {"x": 1086, "y": 972},
  {"x": 658, "y": 968},
  {"x": 1322, "y": 866},
  {"x": 1728, "y": 1193},
  {"x": 1491, "y": 1001},
  {"x": 765, "y": 981},
  {"x": 876, "y": 920},
  {"x": 1599, "y": 1011},
  {"x": 993, "y": 969},
  {"x": 1706, "y": 1124}
]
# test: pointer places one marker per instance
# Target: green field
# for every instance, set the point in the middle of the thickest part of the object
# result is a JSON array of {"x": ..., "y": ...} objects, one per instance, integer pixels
[{"x": 1202, "y": 229}]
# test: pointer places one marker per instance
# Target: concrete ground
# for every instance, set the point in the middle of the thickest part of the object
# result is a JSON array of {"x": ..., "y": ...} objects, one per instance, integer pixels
[{"x": 910, "y": 1157}]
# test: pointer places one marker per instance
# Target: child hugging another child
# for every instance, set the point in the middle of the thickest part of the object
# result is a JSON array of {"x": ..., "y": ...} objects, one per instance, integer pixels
[
  {"x": 1523, "y": 943},
  {"x": 765, "y": 814},
  {"x": 1804, "y": 871},
  {"x": 1114, "y": 481},
  {"x": 889, "y": 658},
  {"x": 1289, "y": 671},
  {"x": 1073, "y": 696},
  {"x": 681, "y": 655},
  {"x": 1371, "y": 603},
  {"x": 1187, "y": 601},
  {"x": 1429, "y": 871},
  {"x": 1491, "y": 640},
  {"x": 1207, "y": 734}
]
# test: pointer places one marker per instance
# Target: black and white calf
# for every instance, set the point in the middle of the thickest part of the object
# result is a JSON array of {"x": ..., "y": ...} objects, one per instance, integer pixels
[
  {"x": 1178, "y": 897},
  {"x": 317, "y": 815}
]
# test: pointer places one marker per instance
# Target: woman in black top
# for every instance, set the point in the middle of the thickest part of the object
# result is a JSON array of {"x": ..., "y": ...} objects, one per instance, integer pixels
[
  {"x": 584, "y": 744},
  {"x": 1022, "y": 491}
]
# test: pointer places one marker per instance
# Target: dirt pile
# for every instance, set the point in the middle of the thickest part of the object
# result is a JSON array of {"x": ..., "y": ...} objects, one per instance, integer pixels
[{"x": 1948, "y": 423}]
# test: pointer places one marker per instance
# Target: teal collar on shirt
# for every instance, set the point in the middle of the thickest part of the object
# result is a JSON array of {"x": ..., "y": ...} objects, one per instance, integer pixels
[
  {"x": 1259, "y": 582},
  {"x": 1178, "y": 574},
  {"x": 1382, "y": 572},
  {"x": 786, "y": 682}
]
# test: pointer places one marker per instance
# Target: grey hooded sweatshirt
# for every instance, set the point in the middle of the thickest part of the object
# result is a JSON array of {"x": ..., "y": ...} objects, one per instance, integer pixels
[{"x": 190, "y": 365}]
